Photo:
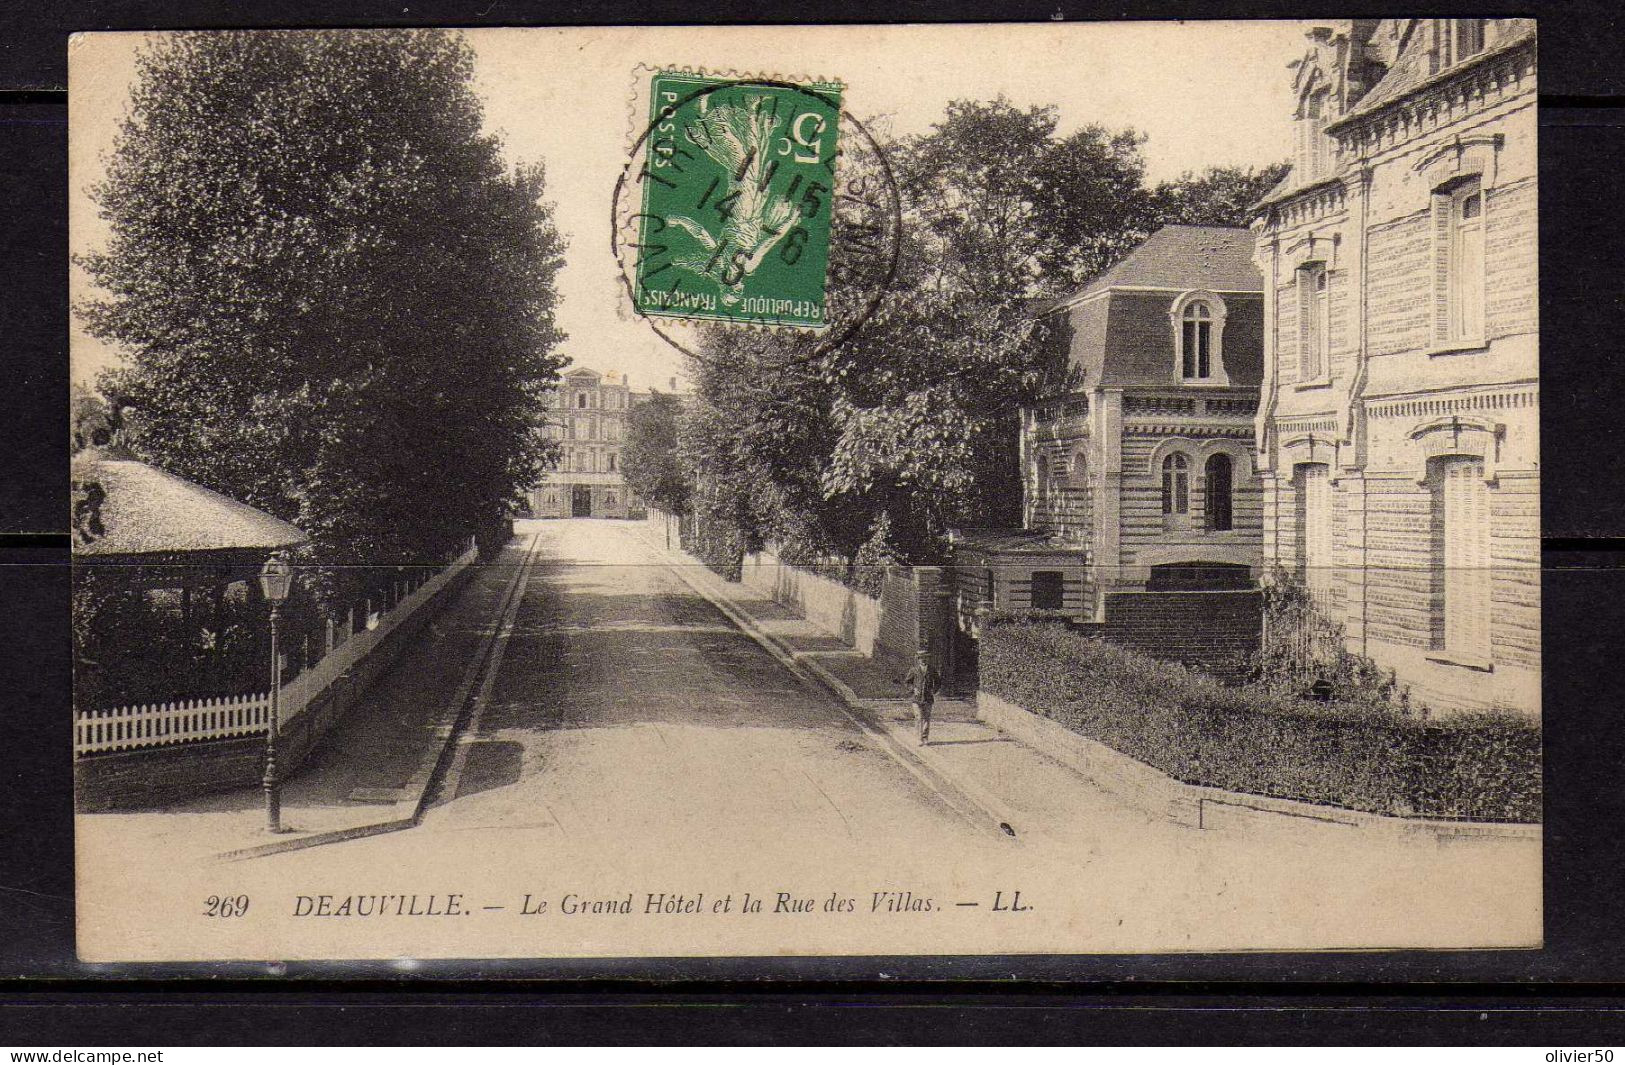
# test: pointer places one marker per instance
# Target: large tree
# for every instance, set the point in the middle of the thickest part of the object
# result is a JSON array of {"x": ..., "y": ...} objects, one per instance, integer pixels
[
  {"x": 650, "y": 459},
  {"x": 1002, "y": 209},
  {"x": 335, "y": 298}
]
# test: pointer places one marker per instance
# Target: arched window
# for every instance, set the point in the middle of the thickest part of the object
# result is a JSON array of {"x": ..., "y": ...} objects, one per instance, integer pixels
[
  {"x": 1219, "y": 493},
  {"x": 1196, "y": 341},
  {"x": 1197, "y": 319},
  {"x": 1176, "y": 485},
  {"x": 1312, "y": 318}
]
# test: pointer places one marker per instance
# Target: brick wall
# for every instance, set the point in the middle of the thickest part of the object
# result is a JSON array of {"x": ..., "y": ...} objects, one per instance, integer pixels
[
  {"x": 1212, "y": 631},
  {"x": 1400, "y": 300},
  {"x": 827, "y": 603},
  {"x": 1511, "y": 253},
  {"x": 898, "y": 637},
  {"x": 912, "y": 615}
]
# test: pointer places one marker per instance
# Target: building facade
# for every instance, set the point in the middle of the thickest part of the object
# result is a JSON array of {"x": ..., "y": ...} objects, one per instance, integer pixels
[
  {"x": 588, "y": 420},
  {"x": 1139, "y": 476},
  {"x": 1398, "y": 430}
]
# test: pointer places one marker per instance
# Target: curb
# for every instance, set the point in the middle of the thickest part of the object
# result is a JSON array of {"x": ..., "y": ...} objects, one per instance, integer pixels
[
  {"x": 969, "y": 801},
  {"x": 422, "y": 783}
]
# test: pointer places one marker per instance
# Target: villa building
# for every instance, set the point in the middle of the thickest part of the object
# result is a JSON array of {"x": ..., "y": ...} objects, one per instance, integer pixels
[
  {"x": 1398, "y": 432},
  {"x": 1139, "y": 475}
]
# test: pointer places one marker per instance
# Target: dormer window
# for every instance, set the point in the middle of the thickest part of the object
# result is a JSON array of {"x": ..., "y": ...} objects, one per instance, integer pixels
[
  {"x": 1455, "y": 40},
  {"x": 1314, "y": 146},
  {"x": 1469, "y": 37},
  {"x": 1198, "y": 320}
]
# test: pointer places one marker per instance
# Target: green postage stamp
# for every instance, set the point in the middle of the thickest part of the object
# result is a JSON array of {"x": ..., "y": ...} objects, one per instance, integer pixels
[{"x": 738, "y": 184}]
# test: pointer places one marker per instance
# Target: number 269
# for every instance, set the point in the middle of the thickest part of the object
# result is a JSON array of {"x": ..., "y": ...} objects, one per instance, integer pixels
[{"x": 225, "y": 906}]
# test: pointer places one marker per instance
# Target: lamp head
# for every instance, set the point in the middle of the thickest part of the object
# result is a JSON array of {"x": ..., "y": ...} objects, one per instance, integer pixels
[{"x": 276, "y": 577}]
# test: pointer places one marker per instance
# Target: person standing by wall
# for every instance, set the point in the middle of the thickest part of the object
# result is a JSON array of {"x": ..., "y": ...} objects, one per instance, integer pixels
[{"x": 922, "y": 681}]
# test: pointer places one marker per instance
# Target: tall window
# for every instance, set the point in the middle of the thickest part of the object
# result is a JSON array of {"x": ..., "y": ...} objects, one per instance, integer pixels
[
  {"x": 581, "y": 400},
  {"x": 1461, "y": 557},
  {"x": 1219, "y": 493},
  {"x": 612, "y": 462},
  {"x": 1313, "y": 304},
  {"x": 1458, "y": 211},
  {"x": 1176, "y": 486},
  {"x": 1196, "y": 341},
  {"x": 1041, "y": 498},
  {"x": 1314, "y": 514}
]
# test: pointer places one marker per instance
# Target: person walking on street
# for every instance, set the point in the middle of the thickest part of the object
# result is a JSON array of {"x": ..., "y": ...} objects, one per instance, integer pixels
[{"x": 922, "y": 680}]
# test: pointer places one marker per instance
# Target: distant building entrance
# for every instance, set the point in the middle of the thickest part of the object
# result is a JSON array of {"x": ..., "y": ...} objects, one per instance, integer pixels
[{"x": 581, "y": 501}]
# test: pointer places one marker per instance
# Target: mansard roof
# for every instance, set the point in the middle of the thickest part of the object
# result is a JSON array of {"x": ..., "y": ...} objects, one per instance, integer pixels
[{"x": 1184, "y": 257}]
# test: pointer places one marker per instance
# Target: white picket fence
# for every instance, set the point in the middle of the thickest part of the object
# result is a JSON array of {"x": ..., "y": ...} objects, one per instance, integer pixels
[
  {"x": 176, "y": 722},
  {"x": 128, "y": 727}
]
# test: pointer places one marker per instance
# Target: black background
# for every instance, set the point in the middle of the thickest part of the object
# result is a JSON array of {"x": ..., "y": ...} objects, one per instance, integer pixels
[{"x": 1565, "y": 994}]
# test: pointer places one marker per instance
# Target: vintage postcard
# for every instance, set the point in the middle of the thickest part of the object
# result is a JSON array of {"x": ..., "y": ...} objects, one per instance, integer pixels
[{"x": 767, "y": 491}]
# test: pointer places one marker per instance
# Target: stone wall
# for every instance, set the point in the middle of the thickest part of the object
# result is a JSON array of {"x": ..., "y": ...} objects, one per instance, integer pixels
[{"x": 827, "y": 603}]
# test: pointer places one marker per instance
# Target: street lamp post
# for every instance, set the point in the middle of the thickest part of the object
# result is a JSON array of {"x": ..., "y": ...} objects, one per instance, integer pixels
[{"x": 275, "y": 579}]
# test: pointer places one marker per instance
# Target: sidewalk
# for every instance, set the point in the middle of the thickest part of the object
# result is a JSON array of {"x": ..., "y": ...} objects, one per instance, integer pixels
[
  {"x": 375, "y": 770},
  {"x": 1011, "y": 787}
]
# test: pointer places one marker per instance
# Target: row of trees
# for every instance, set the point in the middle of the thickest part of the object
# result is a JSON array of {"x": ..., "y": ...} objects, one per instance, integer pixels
[
  {"x": 869, "y": 452},
  {"x": 335, "y": 298}
]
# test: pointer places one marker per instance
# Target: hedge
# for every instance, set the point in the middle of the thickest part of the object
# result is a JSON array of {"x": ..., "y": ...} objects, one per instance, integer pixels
[{"x": 1475, "y": 766}]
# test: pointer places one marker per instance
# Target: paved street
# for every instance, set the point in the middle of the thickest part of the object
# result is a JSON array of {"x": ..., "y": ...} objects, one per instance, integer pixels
[{"x": 628, "y": 706}]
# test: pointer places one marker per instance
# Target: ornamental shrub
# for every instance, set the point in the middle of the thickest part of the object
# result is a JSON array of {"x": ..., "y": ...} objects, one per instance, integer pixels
[{"x": 1358, "y": 755}]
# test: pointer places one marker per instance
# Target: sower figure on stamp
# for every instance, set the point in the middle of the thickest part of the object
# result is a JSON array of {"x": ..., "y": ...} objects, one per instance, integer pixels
[{"x": 922, "y": 680}]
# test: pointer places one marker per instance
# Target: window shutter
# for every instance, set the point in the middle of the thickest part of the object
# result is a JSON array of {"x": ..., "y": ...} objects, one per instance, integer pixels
[
  {"x": 1315, "y": 530},
  {"x": 1466, "y": 558},
  {"x": 1305, "y": 313},
  {"x": 1441, "y": 267}
]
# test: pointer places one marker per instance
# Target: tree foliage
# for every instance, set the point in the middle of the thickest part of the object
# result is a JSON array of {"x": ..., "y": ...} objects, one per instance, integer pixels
[
  {"x": 1219, "y": 196},
  {"x": 650, "y": 460},
  {"x": 335, "y": 299},
  {"x": 910, "y": 426}
]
